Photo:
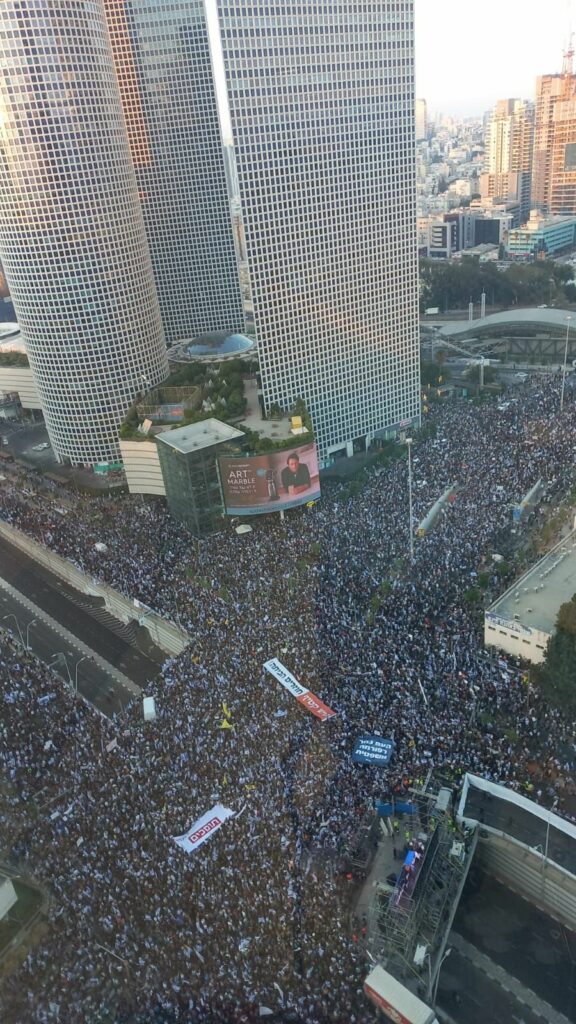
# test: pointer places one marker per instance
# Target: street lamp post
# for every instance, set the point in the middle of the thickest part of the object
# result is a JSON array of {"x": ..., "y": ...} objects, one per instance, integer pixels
[
  {"x": 568, "y": 319},
  {"x": 76, "y": 673},
  {"x": 60, "y": 656},
  {"x": 12, "y": 616},
  {"x": 409, "y": 444},
  {"x": 435, "y": 993},
  {"x": 31, "y": 623}
]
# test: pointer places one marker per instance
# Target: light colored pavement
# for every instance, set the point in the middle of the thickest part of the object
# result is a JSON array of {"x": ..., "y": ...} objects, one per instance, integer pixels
[{"x": 253, "y": 418}]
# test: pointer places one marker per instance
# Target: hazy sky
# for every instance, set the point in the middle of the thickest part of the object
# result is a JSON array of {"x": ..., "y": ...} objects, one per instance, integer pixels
[{"x": 470, "y": 53}]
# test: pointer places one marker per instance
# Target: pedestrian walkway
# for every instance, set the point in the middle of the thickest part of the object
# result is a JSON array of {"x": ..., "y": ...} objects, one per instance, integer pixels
[{"x": 383, "y": 865}]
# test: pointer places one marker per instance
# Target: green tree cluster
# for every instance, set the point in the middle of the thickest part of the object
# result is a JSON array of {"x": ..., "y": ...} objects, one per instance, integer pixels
[
  {"x": 454, "y": 285},
  {"x": 432, "y": 373},
  {"x": 221, "y": 383},
  {"x": 14, "y": 359},
  {"x": 473, "y": 374},
  {"x": 556, "y": 676}
]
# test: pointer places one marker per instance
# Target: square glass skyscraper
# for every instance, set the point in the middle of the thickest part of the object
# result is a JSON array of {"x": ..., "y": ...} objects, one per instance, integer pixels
[
  {"x": 163, "y": 63},
  {"x": 321, "y": 99}
]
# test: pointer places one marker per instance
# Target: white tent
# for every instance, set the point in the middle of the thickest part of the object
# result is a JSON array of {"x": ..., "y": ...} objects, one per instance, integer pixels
[{"x": 8, "y": 896}]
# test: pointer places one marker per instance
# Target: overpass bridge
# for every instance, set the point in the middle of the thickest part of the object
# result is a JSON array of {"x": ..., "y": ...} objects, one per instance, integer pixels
[{"x": 520, "y": 335}]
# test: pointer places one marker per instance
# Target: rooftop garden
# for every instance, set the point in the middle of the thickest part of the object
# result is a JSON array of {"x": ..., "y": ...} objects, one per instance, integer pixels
[
  {"x": 221, "y": 395},
  {"x": 258, "y": 443}
]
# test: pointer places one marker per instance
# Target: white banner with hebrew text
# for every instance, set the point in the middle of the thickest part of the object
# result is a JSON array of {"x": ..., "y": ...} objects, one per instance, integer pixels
[{"x": 202, "y": 829}]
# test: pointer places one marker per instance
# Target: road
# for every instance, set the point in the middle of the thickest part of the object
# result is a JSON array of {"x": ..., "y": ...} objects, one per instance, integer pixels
[
  {"x": 521, "y": 939},
  {"x": 81, "y": 622},
  {"x": 468, "y": 996},
  {"x": 65, "y": 656},
  {"x": 21, "y": 440}
]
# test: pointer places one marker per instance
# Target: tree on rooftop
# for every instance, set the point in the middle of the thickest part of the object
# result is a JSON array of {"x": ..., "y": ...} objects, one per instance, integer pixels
[{"x": 556, "y": 676}]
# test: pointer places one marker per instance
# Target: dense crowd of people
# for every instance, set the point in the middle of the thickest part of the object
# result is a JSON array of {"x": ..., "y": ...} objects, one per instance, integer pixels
[{"x": 259, "y": 915}]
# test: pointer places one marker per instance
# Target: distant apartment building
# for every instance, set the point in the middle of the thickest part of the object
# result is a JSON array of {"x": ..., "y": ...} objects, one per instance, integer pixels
[
  {"x": 508, "y": 155},
  {"x": 562, "y": 194},
  {"x": 492, "y": 228},
  {"x": 322, "y": 110},
  {"x": 421, "y": 120},
  {"x": 464, "y": 229},
  {"x": 464, "y": 221},
  {"x": 163, "y": 64},
  {"x": 442, "y": 239},
  {"x": 497, "y": 209},
  {"x": 554, "y": 159},
  {"x": 542, "y": 237}
]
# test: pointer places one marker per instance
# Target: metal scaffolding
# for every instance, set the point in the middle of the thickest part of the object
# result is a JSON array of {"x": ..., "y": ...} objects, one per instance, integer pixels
[{"x": 407, "y": 933}]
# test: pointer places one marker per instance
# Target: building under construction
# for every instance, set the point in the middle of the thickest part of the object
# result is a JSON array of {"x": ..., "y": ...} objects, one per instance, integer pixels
[{"x": 554, "y": 158}]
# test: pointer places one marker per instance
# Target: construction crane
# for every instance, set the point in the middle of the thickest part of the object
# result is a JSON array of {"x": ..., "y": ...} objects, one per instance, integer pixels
[{"x": 567, "y": 62}]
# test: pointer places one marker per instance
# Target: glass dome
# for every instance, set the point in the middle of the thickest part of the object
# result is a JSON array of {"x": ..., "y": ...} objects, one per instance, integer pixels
[{"x": 219, "y": 344}]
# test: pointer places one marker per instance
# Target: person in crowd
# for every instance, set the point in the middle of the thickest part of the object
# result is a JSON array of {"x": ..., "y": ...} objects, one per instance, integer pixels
[{"x": 258, "y": 916}]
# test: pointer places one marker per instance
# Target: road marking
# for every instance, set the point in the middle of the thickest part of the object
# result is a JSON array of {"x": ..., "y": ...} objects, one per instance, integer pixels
[
  {"x": 507, "y": 981},
  {"x": 71, "y": 640}
]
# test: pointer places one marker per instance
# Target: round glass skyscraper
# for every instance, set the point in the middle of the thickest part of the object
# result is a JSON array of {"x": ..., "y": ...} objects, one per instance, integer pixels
[{"x": 72, "y": 239}]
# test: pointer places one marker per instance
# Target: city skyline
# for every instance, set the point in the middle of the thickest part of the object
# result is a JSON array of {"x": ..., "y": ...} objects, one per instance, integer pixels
[{"x": 518, "y": 43}]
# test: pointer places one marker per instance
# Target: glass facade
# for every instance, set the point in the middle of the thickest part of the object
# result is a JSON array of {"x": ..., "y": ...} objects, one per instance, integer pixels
[
  {"x": 542, "y": 237},
  {"x": 192, "y": 485},
  {"x": 72, "y": 239},
  {"x": 164, "y": 69},
  {"x": 321, "y": 100},
  {"x": 218, "y": 346}
]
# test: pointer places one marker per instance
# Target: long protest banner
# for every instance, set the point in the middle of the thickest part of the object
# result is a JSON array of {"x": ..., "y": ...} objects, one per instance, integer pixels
[
  {"x": 202, "y": 829},
  {"x": 302, "y": 694}
]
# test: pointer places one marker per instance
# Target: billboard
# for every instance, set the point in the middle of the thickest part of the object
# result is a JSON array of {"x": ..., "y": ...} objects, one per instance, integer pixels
[{"x": 271, "y": 481}]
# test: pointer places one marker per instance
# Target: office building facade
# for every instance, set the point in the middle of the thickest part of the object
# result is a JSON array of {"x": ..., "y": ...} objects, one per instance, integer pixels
[
  {"x": 188, "y": 458},
  {"x": 322, "y": 106},
  {"x": 508, "y": 155},
  {"x": 542, "y": 237},
  {"x": 163, "y": 64},
  {"x": 72, "y": 239},
  {"x": 421, "y": 120}
]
